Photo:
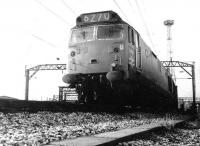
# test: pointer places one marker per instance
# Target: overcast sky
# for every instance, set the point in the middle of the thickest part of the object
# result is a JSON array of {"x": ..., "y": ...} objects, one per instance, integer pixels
[{"x": 36, "y": 32}]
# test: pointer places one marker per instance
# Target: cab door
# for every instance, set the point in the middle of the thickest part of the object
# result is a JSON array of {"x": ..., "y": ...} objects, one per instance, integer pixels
[
  {"x": 131, "y": 52},
  {"x": 138, "y": 52}
]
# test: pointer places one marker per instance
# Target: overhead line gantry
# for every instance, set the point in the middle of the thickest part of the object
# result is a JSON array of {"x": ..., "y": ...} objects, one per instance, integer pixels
[
  {"x": 37, "y": 68},
  {"x": 184, "y": 65}
]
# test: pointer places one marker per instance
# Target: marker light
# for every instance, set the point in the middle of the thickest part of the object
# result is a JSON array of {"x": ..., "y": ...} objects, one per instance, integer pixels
[
  {"x": 113, "y": 64},
  {"x": 73, "y": 53}
]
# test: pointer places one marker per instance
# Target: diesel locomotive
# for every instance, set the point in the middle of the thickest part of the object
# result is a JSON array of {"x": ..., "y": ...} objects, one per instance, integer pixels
[{"x": 108, "y": 62}]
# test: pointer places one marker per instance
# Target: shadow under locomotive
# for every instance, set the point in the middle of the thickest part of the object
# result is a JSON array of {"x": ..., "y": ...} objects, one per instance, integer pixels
[{"x": 111, "y": 88}]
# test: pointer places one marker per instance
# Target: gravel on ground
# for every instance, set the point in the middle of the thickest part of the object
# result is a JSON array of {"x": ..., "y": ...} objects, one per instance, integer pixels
[
  {"x": 44, "y": 127},
  {"x": 188, "y": 134}
]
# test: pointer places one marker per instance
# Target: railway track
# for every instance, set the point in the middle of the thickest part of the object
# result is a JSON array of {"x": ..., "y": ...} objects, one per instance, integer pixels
[
  {"x": 33, "y": 106},
  {"x": 9, "y": 106}
]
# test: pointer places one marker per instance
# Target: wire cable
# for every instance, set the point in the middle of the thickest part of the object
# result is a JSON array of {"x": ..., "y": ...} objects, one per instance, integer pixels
[
  {"x": 144, "y": 22},
  {"x": 69, "y": 8},
  {"x": 121, "y": 10},
  {"x": 44, "y": 41},
  {"x": 55, "y": 14},
  {"x": 131, "y": 5}
]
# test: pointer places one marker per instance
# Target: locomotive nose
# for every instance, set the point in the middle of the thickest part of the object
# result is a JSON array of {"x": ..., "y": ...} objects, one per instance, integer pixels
[{"x": 69, "y": 78}]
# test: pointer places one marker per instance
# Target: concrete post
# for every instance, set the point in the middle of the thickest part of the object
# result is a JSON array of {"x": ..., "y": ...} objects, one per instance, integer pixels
[
  {"x": 27, "y": 84},
  {"x": 194, "y": 87}
]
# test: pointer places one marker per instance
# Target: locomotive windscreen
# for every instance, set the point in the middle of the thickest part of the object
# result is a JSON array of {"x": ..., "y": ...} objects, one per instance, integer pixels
[
  {"x": 82, "y": 34},
  {"x": 90, "y": 33},
  {"x": 98, "y": 17},
  {"x": 109, "y": 32}
]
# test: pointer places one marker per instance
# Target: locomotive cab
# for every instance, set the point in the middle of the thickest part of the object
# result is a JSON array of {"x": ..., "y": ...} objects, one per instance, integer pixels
[
  {"x": 97, "y": 45},
  {"x": 97, "y": 52}
]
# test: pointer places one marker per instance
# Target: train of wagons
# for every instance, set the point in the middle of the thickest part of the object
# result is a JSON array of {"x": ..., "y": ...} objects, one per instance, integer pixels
[{"x": 108, "y": 62}]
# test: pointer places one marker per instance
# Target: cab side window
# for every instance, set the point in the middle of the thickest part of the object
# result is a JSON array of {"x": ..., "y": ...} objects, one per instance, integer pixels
[
  {"x": 129, "y": 34},
  {"x": 137, "y": 40},
  {"x": 132, "y": 36}
]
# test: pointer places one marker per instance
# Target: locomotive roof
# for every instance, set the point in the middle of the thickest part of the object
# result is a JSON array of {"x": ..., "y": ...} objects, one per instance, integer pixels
[{"x": 103, "y": 17}]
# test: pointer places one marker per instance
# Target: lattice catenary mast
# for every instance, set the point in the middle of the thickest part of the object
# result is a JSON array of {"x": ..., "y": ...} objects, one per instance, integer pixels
[{"x": 169, "y": 23}]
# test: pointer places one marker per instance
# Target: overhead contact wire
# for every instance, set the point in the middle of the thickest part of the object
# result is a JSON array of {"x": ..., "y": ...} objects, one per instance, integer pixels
[
  {"x": 144, "y": 22},
  {"x": 44, "y": 41},
  {"x": 121, "y": 10},
  {"x": 69, "y": 8},
  {"x": 51, "y": 11}
]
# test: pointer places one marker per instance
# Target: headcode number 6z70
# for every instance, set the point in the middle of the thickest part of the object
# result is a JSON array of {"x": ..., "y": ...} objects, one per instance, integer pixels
[{"x": 96, "y": 17}]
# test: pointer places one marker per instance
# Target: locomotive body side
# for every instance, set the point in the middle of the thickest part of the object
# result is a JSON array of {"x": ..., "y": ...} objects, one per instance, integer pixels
[{"x": 154, "y": 81}]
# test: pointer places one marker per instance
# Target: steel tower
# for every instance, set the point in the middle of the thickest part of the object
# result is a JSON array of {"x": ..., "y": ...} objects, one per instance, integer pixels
[{"x": 169, "y": 23}]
